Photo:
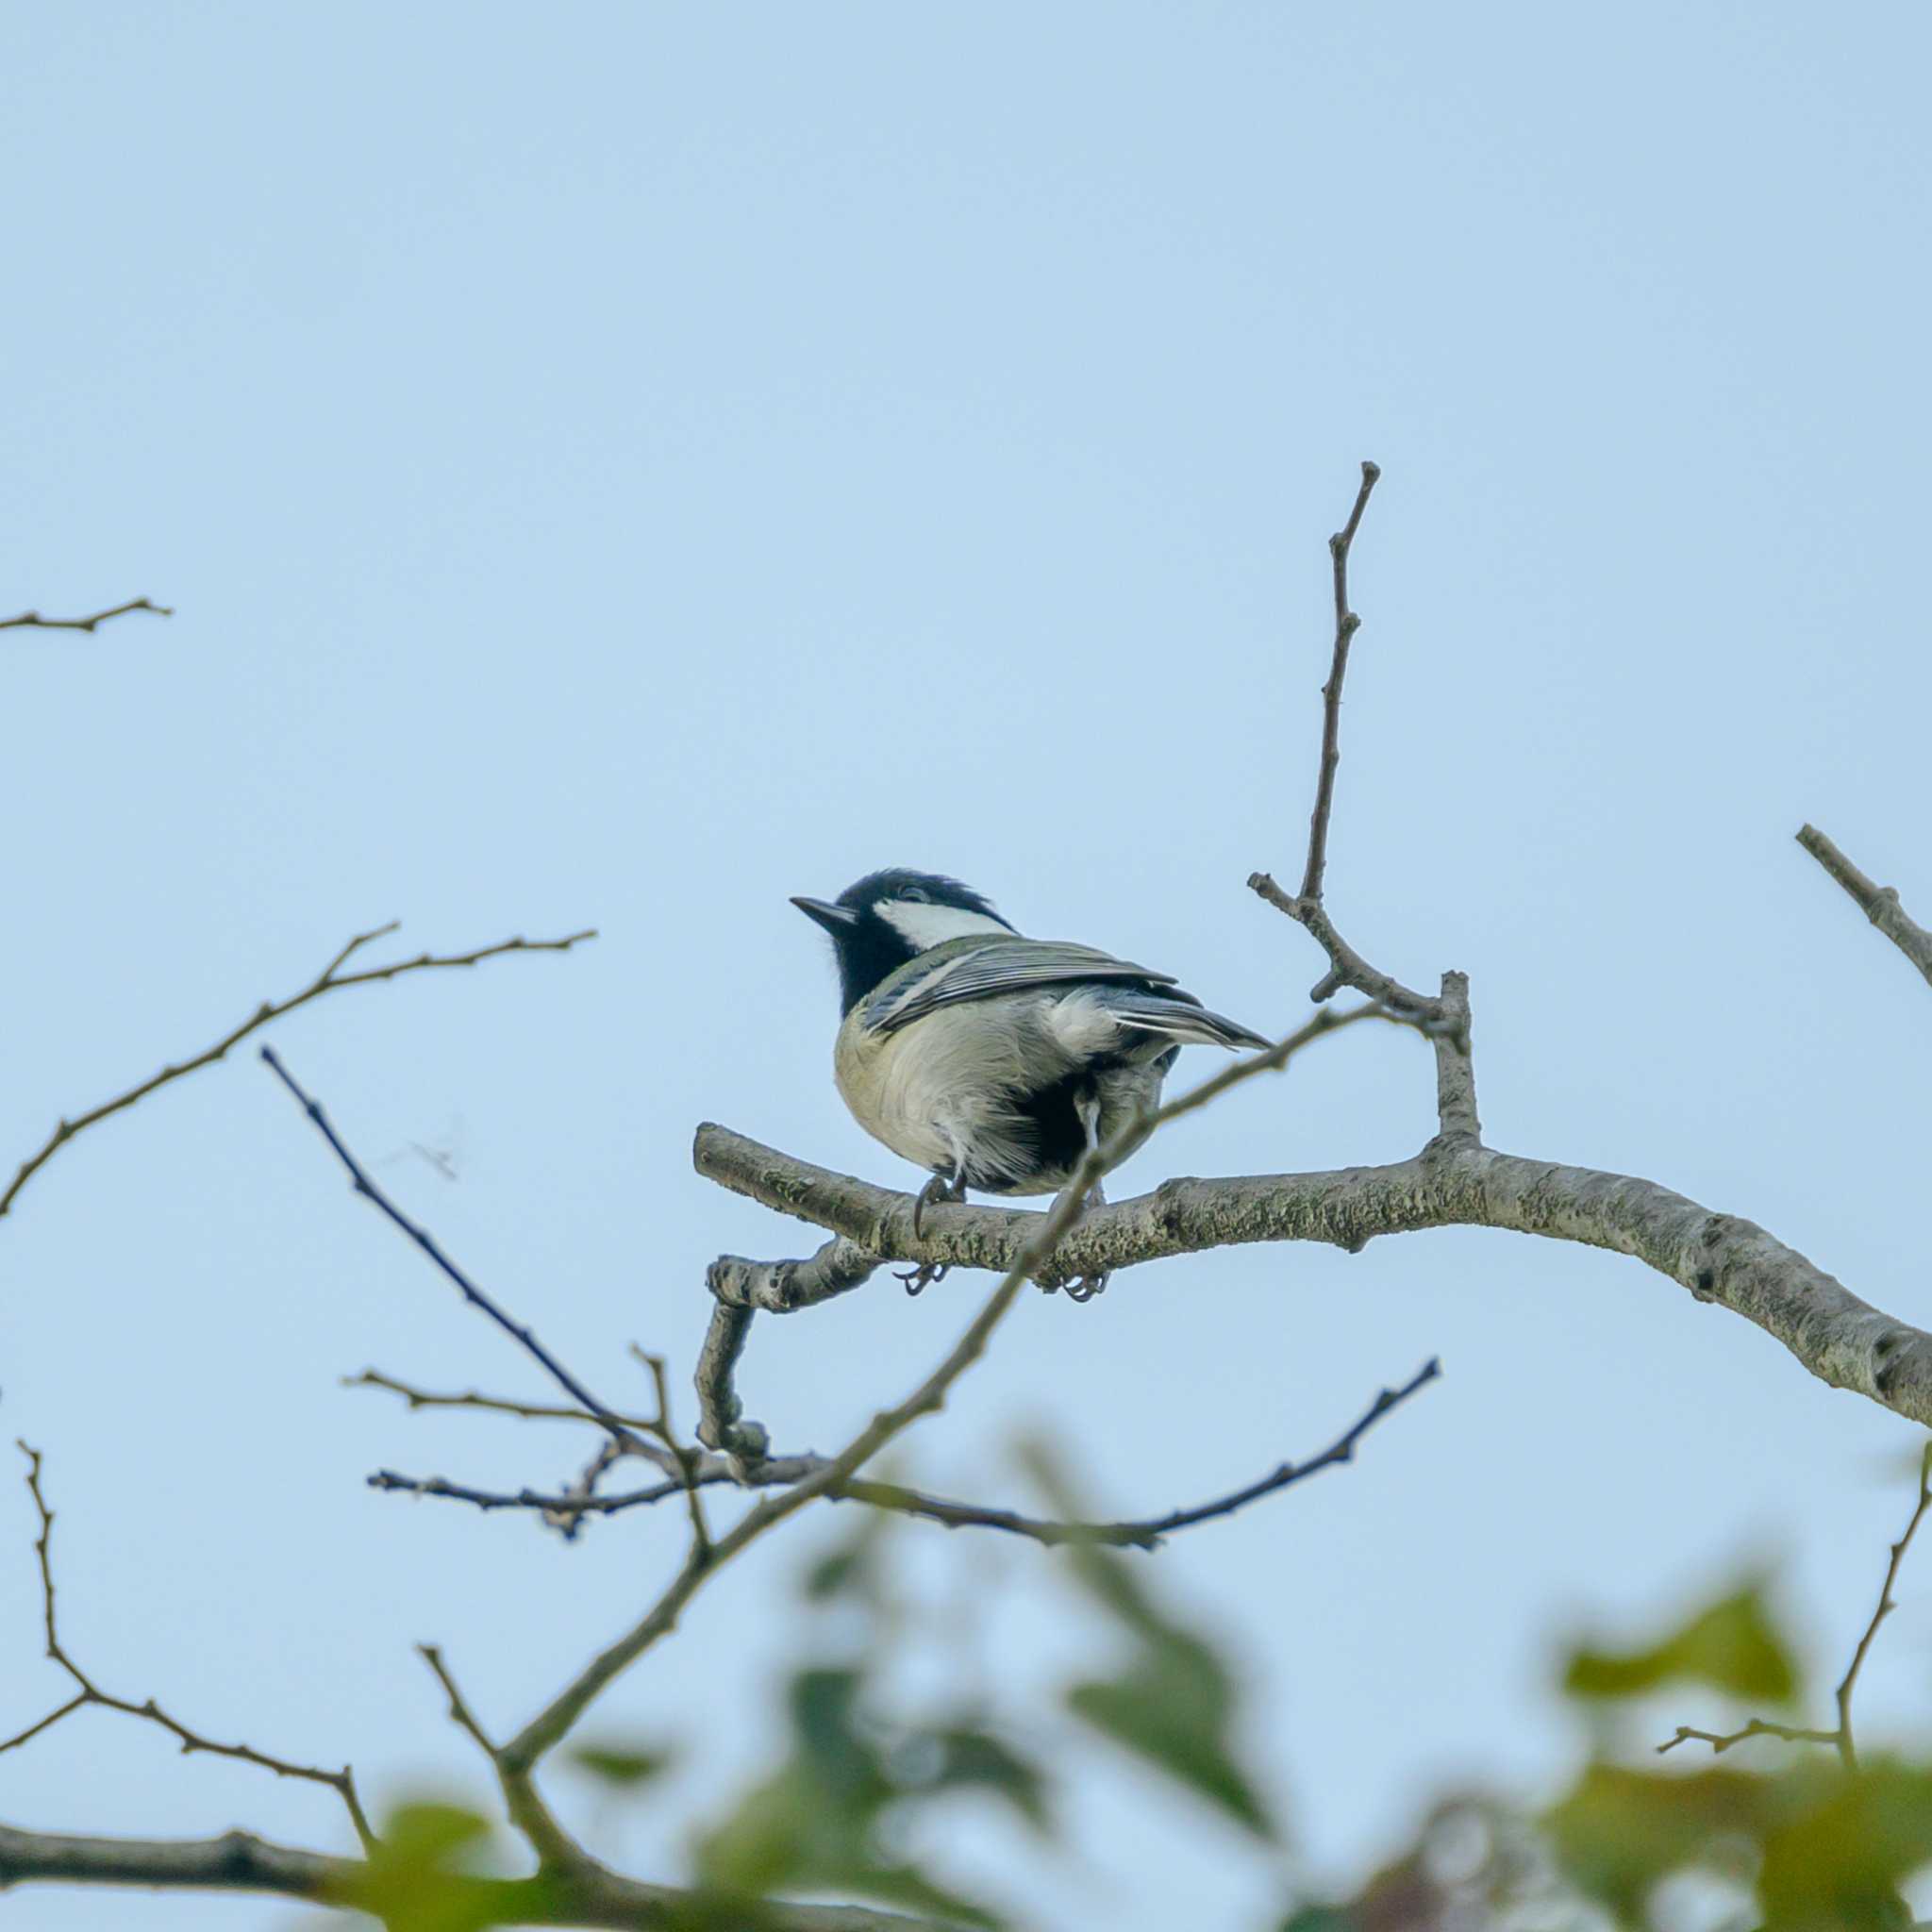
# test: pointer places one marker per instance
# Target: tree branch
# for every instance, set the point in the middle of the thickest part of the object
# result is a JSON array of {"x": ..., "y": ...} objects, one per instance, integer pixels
[
  {"x": 519, "y": 1332},
  {"x": 87, "y": 1692},
  {"x": 1346, "y": 624},
  {"x": 1717, "y": 1258},
  {"x": 1842, "y": 1738},
  {"x": 1879, "y": 903},
  {"x": 32, "y": 619},
  {"x": 1144, "y": 1533},
  {"x": 330, "y": 980},
  {"x": 589, "y": 1895}
]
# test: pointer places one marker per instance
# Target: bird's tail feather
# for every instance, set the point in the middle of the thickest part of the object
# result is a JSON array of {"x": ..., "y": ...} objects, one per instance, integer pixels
[{"x": 1189, "y": 1024}]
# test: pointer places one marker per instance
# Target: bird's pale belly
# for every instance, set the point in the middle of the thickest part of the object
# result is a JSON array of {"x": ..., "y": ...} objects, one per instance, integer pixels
[{"x": 951, "y": 1097}]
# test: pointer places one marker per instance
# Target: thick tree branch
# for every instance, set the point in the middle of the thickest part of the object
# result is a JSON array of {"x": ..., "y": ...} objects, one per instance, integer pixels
[
  {"x": 32, "y": 619},
  {"x": 88, "y": 1692},
  {"x": 1879, "y": 903},
  {"x": 1719, "y": 1258},
  {"x": 588, "y": 1896},
  {"x": 330, "y": 980}
]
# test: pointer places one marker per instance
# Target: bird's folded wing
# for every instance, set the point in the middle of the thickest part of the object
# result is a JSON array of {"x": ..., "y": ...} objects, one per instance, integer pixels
[{"x": 999, "y": 966}]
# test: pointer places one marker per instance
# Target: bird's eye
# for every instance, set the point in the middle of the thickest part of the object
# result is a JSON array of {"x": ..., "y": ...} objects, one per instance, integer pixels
[{"x": 918, "y": 894}]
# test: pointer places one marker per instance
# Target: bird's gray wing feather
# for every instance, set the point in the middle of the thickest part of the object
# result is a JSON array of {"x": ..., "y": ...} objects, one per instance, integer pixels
[
  {"x": 1180, "y": 1017},
  {"x": 1000, "y": 966}
]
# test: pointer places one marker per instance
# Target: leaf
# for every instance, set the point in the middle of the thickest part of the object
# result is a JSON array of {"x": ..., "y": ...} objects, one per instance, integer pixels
[
  {"x": 624, "y": 1766},
  {"x": 1839, "y": 1858},
  {"x": 1618, "y": 1832},
  {"x": 853, "y": 1566},
  {"x": 1173, "y": 1705},
  {"x": 970, "y": 1757},
  {"x": 415, "y": 1880},
  {"x": 1731, "y": 1646}
]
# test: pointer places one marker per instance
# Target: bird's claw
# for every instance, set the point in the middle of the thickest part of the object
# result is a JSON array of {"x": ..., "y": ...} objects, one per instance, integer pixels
[
  {"x": 1086, "y": 1288},
  {"x": 919, "y": 1279},
  {"x": 938, "y": 1189}
]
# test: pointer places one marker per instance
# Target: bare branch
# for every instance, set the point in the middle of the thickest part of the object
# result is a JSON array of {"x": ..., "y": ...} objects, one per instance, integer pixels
[
  {"x": 474, "y": 1399},
  {"x": 1144, "y": 1534},
  {"x": 1849, "y": 1683},
  {"x": 557, "y": 1850},
  {"x": 586, "y": 1895},
  {"x": 518, "y": 1331},
  {"x": 781, "y": 1288},
  {"x": 1842, "y": 1738},
  {"x": 32, "y": 619},
  {"x": 1346, "y": 624},
  {"x": 1721, "y": 1741},
  {"x": 330, "y": 980},
  {"x": 553, "y": 1722},
  {"x": 87, "y": 1692},
  {"x": 1879, "y": 903},
  {"x": 1719, "y": 1258},
  {"x": 1455, "y": 1068}
]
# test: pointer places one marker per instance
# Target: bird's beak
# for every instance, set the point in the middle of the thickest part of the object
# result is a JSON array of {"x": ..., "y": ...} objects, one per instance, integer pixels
[{"x": 835, "y": 919}]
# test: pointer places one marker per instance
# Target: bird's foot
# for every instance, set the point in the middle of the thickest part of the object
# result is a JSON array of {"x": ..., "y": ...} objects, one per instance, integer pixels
[
  {"x": 938, "y": 1189},
  {"x": 919, "y": 1279},
  {"x": 1087, "y": 1288}
]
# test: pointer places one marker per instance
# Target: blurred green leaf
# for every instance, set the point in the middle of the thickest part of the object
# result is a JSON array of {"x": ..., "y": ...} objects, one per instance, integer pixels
[
  {"x": 1165, "y": 1711},
  {"x": 1732, "y": 1646},
  {"x": 1837, "y": 1855},
  {"x": 1173, "y": 1705},
  {"x": 971, "y": 1758},
  {"x": 851, "y": 1567},
  {"x": 413, "y": 1880},
  {"x": 626, "y": 1766},
  {"x": 1620, "y": 1832}
]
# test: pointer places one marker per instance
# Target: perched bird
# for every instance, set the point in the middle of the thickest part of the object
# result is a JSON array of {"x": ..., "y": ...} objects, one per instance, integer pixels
[{"x": 992, "y": 1059}]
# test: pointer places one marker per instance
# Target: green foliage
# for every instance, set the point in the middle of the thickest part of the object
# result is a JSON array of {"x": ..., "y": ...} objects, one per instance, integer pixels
[
  {"x": 1173, "y": 1703},
  {"x": 1731, "y": 1645},
  {"x": 413, "y": 1879},
  {"x": 624, "y": 1767}
]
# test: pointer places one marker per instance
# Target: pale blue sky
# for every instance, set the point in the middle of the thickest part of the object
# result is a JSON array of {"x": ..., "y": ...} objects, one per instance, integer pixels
[{"x": 629, "y": 465}]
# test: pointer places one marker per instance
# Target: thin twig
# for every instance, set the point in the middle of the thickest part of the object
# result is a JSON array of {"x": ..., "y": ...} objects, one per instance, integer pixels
[
  {"x": 1847, "y": 1749},
  {"x": 32, "y": 619},
  {"x": 87, "y": 1692},
  {"x": 555, "y": 1848},
  {"x": 1721, "y": 1741},
  {"x": 1842, "y": 1738},
  {"x": 1142, "y": 1534},
  {"x": 475, "y": 1399},
  {"x": 1346, "y": 624},
  {"x": 330, "y": 980},
  {"x": 518, "y": 1331},
  {"x": 1879, "y": 903},
  {"x": 551, "y": 1724}
]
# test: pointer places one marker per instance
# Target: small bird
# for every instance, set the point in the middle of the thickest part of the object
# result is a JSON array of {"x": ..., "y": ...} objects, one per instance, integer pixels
[{"x": 994, "y": 1061}]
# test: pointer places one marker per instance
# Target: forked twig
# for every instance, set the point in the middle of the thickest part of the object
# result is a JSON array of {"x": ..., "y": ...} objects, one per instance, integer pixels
[
  {"x": 330, "y": 980},
  {"x": 88, "y": 1692}
]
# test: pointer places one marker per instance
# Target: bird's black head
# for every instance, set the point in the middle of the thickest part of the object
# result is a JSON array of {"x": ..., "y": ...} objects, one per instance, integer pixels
[{"x": 892, "y": 916}]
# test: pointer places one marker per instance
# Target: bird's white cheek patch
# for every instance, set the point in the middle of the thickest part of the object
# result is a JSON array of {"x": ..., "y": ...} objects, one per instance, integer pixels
[{"x": 933, "y": 925}]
